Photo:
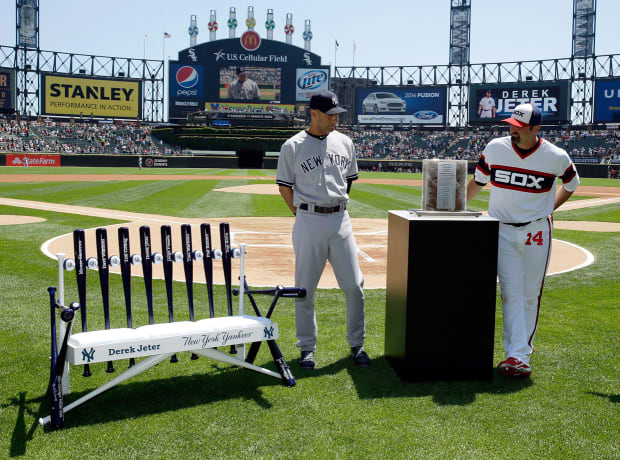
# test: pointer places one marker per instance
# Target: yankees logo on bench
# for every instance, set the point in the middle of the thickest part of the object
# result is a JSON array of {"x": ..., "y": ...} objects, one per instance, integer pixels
[
  {"x": 88, "y": 356},
  {"x": 521, "y": 179}
]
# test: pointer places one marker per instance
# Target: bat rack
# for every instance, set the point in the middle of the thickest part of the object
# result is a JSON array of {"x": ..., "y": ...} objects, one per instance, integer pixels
[{"x": 158, "y": 342}]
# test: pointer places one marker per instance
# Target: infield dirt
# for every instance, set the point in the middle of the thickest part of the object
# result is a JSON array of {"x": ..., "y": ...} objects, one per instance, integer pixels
[{"x": 270, "y": 257}]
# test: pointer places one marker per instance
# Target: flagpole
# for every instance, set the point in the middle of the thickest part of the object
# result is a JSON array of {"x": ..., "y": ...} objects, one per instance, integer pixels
[{"x": 335, "y": 55}]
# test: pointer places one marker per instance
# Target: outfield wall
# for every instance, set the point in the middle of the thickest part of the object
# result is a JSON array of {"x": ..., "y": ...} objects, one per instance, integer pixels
[{"x": 228, "y": 162}]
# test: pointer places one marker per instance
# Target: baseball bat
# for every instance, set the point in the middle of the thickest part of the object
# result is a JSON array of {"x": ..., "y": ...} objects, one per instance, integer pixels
[
  {"x": 166, "y": 246},
  {"x": 276, "y": 353},
  {"x": 188, "y": 268},
  {"x": 147, "y": 268},
  {"x": 226, "y": 263},
  {"x": 79, "y": 249},
  {"x": 207, "y": 262},
  {"x": 101, "y": 235},
  {"x": 123, "y": 250},
  {"x": 55, "y": 385}
]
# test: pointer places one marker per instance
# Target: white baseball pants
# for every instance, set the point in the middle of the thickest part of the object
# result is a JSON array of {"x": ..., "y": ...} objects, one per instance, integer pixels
[{"x": 523, "y": 258}]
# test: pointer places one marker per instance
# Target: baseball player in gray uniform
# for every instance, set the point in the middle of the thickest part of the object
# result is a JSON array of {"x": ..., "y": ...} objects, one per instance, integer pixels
[
  {"x": 522, "y": 169},
  {"x": 242, "y": 87},
  {"x": 315, "y": 171}
]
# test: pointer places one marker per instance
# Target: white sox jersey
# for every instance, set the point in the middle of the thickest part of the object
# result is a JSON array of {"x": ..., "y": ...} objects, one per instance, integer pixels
[
  {"x": 524, "y": 184},
  {"x": 317, "y": 168},
  {"x": 487, "y": 104}
]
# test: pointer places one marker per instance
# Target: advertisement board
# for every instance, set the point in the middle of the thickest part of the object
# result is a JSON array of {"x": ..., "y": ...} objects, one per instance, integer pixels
[
  {"x": 401, "y": 105},
  {"x": 309, "y": 82},
  {"x": 91, "y": 97},
  {"x": 491, "y": 103},
  {"x": 211, "y": 106},
  {"x": 21, "y": 160},
  {"x": 607, "y": 101},
  {"x": 186, "y": 81},
  {"x": 7, "y": 90}
]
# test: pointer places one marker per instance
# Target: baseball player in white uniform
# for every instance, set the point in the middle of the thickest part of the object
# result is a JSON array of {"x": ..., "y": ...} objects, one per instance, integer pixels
[
  {"x": 486, "y": 108},
  {"x": 315, "y": 171},
  {"x": 523, "y": 169}
]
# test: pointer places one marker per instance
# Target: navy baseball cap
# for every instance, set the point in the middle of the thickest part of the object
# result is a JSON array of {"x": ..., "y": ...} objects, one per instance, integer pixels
[
  {"x": 525, "y": 115},
  {"x": 326, "y": 102},
  {"x": 240, "y": 70}
]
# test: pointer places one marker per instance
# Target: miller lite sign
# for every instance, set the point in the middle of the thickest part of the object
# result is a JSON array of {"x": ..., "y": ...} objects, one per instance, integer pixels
[{"x": 309, "y": 82}]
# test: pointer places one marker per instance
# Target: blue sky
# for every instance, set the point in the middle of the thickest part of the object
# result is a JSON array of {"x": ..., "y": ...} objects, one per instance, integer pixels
[{"x": 391, "y": 32}]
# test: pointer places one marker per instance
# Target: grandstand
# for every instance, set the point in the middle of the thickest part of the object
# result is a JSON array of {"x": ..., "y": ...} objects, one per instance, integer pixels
[{"x": 62, "y": 137}]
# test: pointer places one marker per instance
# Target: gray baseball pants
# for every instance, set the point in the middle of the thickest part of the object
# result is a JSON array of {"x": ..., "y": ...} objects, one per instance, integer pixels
[{"x": 316, "y": 239}]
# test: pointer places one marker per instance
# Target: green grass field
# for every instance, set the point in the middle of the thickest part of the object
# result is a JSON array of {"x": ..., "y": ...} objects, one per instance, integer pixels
[{"x": 568, "y": 409}]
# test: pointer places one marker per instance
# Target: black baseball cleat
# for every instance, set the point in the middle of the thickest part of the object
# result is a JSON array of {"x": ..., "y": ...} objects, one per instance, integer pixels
[
  {"x": 307, "y": 359},
  {"x": 360, "y": 356}
]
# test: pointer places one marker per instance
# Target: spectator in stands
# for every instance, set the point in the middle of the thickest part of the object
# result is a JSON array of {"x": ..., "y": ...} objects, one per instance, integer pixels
[{"x": 243, "y": 87}]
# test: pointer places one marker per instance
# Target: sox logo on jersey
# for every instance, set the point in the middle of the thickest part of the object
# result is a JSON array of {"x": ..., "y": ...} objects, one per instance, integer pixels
[{"x": 521, "y": 179}]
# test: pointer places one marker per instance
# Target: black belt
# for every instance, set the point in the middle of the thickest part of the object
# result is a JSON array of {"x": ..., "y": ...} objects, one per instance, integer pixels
[
  {"x": 522, "y": 224},
  {"x": 323, "y": 209}
]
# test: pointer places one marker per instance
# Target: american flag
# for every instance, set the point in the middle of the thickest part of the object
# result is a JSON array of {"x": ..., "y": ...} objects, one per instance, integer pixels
[{"x": 167, "y": 35}]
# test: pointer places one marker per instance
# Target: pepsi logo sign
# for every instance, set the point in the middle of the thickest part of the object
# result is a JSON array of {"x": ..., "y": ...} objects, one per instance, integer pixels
[
  {"x": 312, "y": 79},
  {"x": 187, "y": 77}
]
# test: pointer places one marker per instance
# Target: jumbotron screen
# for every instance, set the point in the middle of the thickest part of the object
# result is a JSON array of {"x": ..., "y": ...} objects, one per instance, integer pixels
[{"x": 250, "y": 83}]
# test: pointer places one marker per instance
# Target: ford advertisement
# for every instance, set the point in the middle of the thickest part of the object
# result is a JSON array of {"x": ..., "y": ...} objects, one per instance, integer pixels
[
  {"x": 491, "y": 103},
  {"x": 401, "y": 105},
  {"x": 607, "y": 101}
]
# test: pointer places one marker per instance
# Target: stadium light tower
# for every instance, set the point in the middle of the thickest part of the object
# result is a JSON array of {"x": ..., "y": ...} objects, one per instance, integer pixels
[
  {"x": 584, "y": 28},
  {"x": 27, "y": 45},
  {"x": 584, "y": 25},
  {"x": 460, "y": 25}
]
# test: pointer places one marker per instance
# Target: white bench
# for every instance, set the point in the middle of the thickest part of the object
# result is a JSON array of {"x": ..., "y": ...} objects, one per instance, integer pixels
[
  {"x": 155, "y": 343},
  {"x": 156, "y": 339}
]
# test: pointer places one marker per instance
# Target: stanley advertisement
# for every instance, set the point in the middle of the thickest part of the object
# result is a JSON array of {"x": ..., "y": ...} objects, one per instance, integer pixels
[{"x": 91, "y": 97}]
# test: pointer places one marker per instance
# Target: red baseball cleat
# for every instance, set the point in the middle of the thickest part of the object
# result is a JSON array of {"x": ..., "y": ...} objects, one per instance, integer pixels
[{"x": 513, "y": 367}]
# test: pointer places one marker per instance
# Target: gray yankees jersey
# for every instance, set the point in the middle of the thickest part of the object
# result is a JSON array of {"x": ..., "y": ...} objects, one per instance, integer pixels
[
  {"x": 317, "y": 169},
  {"x": 246, "y": 90}
]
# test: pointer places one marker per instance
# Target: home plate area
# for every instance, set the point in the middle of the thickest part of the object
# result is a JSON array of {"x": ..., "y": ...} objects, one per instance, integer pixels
[{"x": 270, "y": 257}]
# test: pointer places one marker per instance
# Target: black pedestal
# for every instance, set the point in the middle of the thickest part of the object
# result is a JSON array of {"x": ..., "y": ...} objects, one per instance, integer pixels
[{"x": 440, "y": 301}]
